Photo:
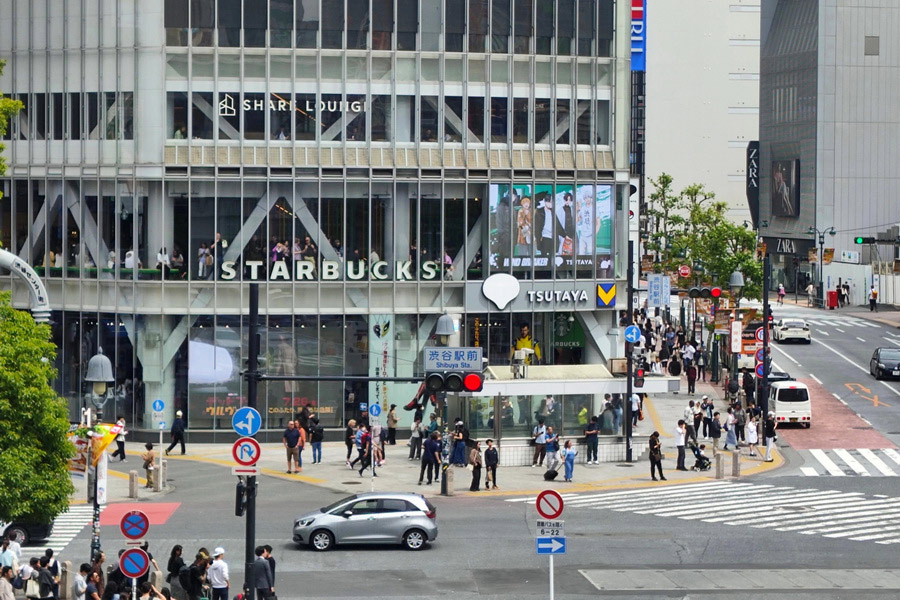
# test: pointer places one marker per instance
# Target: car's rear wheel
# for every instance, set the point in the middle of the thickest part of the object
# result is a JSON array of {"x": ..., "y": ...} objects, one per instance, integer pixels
[
  {"x": 17, "y": 533},
  {"x": 321, "y": 540},
  {"x": 414, "y": 539}
]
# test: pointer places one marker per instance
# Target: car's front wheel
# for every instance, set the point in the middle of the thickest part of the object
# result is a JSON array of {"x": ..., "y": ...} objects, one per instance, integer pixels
[
  {"x": 414, "y": 539},
  {"x": 321, "y": 540},
  {"x": 17, "y": 533}
]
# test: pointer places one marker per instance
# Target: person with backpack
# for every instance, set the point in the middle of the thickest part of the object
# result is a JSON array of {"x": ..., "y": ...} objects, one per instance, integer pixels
[{"x": 317, "y": 432}]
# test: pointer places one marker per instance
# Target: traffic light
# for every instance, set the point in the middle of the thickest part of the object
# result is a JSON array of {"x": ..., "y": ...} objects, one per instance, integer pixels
[
  {"x": 240, "y": 498},
  {"x": 454, "y": 381},
  {"x": 863, "y": 240},
  {"x": 639, "y": 377},
  {"x": 696, "y": 292}
]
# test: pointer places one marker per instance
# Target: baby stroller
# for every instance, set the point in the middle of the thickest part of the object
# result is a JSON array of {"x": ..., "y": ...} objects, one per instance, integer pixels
[{"x": 701, "y": 462}]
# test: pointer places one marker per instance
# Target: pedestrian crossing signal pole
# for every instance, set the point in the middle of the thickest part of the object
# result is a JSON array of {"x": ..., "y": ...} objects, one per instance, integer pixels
[
  {"x": 252, "y": 375},
  {"x": 762, "y": 396},
  {"x": 629, "y": 362}
]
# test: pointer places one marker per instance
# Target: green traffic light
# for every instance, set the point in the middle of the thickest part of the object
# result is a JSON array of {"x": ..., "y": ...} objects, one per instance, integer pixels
[{"x": 857, "y": 240}]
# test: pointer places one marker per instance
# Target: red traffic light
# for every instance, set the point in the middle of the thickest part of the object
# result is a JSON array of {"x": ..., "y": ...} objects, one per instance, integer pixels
[
  {"x": 715, "y": 292},
  {"x": 639, "y": 373},
  {"x": 473, "y": 382}
]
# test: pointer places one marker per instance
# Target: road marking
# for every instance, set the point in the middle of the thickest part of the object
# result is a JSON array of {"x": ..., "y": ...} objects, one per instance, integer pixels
[
  {"x": 860, "y": 339},
  {"x": 827, "y": 347},
  {"x": 836, "y": 396},
  {"x": 892, "y": 454},
  {"x": 827, "y": 463},
  {"x": 879, "y": 464},
  {"x": 809, "y": 471},
  {"x": 817, "y": 380},
  {"x": 851, "y": 462},
  {"x": 839, "y": 329},
  {"x": 789, "y": 357},
  {"x": 824, "y": 332}
]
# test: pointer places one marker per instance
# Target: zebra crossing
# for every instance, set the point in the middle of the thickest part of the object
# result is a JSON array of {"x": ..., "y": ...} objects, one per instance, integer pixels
[
  {"x": 65, "y": 528},
  {"x": 861, "y": 462},
  {"x": 833, "y": 321},
  {"x": 832, "y": 514}
]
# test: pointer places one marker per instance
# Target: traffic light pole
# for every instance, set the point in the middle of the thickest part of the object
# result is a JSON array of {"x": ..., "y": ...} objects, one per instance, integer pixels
[
  {"x": 629, "y": 364},
  {"x": 252, "y": 375},
  {"x": 762, "y": 399}
]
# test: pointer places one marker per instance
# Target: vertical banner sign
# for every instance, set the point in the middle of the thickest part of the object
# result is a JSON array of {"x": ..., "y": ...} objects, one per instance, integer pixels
[
  {"x": 753, "y": 181},
  {"x": 638, "y": 35}
]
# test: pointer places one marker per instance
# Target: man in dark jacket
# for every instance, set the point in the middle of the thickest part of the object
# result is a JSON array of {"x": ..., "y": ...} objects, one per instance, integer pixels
[
  {"x": 715, "y": 432},
  {"x": 262, "y": 575},
  {"x": 431, "y": 458},
  {"x": 177, "y": 433},
  {"x": 491, "y": 460}
]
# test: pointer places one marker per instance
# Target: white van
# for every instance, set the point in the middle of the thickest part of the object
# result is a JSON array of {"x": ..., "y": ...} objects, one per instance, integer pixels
[{"x": 789, "y": 400}]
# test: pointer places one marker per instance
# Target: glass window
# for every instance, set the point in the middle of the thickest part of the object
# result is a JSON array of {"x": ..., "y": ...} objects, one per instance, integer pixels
[
  {"x": 499, "y": 71},
  {"x": 127, "y": 101},
  {"x": 565, "y": 27},
  {"x": 542, "y": 114},
  {"x": 456, "y": 25},
  {"x": 586, "y": 27},
  {"x": 583, "y": 131},
  {"x": 305, "y": 116},
  {"x": 229, "y": 19},
  {"x": 93, "y": 115},
  {"x": 454, "y": 231},
  {"x": 476, "y": 119},
  {"x": 111, "y": 115},
  {"x": 499, "y": 119},
  {"x": 478, "y": 25},
  {"x": 281, "y": 17},
  {"x": 255, "y": 14},
  {"x": 407, "y": 24},
  {"x": 477, "y": 72},
  {"x": 453, "y": 122},
  {"x": 332, "y": 68},
  {"x": 542, "y": 72},
  {"x": 203, "y": 22},
  {"x": 521, "y": 71},
  {"x": 605, "y": 26},
  {"x": 254, "y": 66},
  {"x": 405, "y": 122},
  {"x": 75, "y": 117},
  {"x": 520, "y": 120},
  {"x": 382, "y": 24},
  {"x": 332, "y": 23},
  {"x": 524, "y": 26},
  {"x": 306, "y": 67},
  {"x": 176, "y": 22},
  {"x": 178, "y": 115},
  {"x": 428, "y": 119},
  {"x": 357, "y": 23},
  {"x": 56, "y": 115},
  {"x": 601, "y": 122},
  {"x": 563, "y": 73},
  {"x": 254, "y": 116},
  {"x": 329, "y": 115},
  {"x": 500, "y": 25},
  {"x": 307, "y": 19},
  {"x": 453, "y": 69},
  {"x": 280, "y": 116},
  {"x": 562, "y": 121},
  {"x": 280, "y": 66},
  {"x": 431, "y": 69},
  {"x": 356, "y": 118},
  {"x": 431, "y": 25},
  {"x": 544, "y": 35},
  {"x": 229, "y": 118},
  {"x": 356, "y": 68},
  {"x": 381, "y": 118}
]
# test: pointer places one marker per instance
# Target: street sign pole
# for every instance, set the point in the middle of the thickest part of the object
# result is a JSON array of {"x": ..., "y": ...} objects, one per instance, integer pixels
[
  {"x": 549, "y": 505},
  {"x": 762, "y": 399},
  {"x": 252, "y": 377},
  {"x": 629, "y": 363},
  {"x": 552, "y": 592}
]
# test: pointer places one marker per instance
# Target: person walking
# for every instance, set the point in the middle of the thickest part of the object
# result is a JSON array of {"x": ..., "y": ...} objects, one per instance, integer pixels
[
  {"x": 350, "y": 438},
  {"x": 873, "y": 299},
  {"x": 263, "y": 580},
  {"x": 173, "y": 568},
  {"x": 691, "y": 374},
  {"x": 552, "y": 450},
  {"x": 431, "y": 458},
  {"x": 740, "y": 422},
  {"x": 367, "y": 452},
  {"x": 291, "y": 440},
  {"x": 752, "y": 436},
  {"x": 706, "y": 406},
  {"x": 568, "y": 455},
  {"x": 120, "y": 440},
  {"x": 591, "y": 431},
  {"x": 458, "y": 456},
  {"x": 656, "y": 457},
  {"x": 715, "y": 432},
  {"x": 491, "y": 460},
  {"x": 539, "y": 437},
  {"x": 217, "y": 575},
  {"x": 680, "y": 436},
  {"x": 702, "y": 359},
  {"x": 769, "y": 430},
  {"x": 177, "y": 433},
  {"x": 357, "y": 441},
  {"x": 730, "y": 434},
  {"x": 476, "y": 462},
  {"x": 317, "y": 436},
  {"x": 417, "y": 430},
  {"x": 392, "y": 421},
  {"x": 301, "y": 445},
  {"x": 149, "y": 458},
  {"x": 781, "y": 294},
  {"x": 688, "y": 416},
  {"x": 635, "y": 409}
]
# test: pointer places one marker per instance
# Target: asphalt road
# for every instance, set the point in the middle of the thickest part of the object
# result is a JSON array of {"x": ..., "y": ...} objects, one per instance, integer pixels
[{"x": 485, "y": 548}]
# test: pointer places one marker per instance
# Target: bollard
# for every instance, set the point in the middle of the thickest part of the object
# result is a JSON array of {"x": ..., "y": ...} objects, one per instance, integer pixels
[
  {"x": 158, "y": 579},
  {"x": 66, "y": 580},
  {"x": 158, "y": 478},
  {"x": 164, "y": 474},
  {"x": 720, "y": 467},
  {"x": 132, "y": 484},
  {"x": 736, "y": 464},
  {"x": 449, "y": 472}
]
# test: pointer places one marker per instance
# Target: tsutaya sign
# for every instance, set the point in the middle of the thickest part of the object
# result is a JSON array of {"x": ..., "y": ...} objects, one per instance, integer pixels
[
  {"x": 331, "y": 270},
  {"x": 228, "y": 105}
]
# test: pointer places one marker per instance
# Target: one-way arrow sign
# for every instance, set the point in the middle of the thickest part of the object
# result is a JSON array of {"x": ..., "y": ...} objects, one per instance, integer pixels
[{"x": 550, "y": 545}]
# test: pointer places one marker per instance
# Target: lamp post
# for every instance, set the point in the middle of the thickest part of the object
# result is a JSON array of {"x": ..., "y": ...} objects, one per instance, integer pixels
[
  {"x": 821, "y": 234},
  {"x": 443, "y": 330},
  {"x": 100, "y": 375},
  {"x": 736, "y": 284}
]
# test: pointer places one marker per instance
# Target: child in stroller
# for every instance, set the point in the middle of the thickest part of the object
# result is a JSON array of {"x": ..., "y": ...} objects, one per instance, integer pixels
[{"x": 701, "y": 463}]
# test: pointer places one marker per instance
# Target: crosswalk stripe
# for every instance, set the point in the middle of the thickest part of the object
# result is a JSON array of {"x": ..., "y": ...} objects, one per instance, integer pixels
[
  {"x": 851, "y": 462},
  {"x": 881, "y": 526},
  {"x": 809, "y": 471},
  {"x": 892, "y": 454},
  {"x": 840, "y": 507},
  {"x": 879, "y": 464},
  {"x": 827, "y": 463},
  {"x": 740, "y": 501},
  {"x": 822, "y": 523}
]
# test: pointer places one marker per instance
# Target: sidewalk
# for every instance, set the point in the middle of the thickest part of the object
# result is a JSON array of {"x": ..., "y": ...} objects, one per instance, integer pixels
[
  {"x": 400, "y": 474},
  {"x": 887, "y": 314}
]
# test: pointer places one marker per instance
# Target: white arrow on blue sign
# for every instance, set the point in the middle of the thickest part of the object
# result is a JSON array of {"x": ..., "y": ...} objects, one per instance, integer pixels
[
  {"x": 632, "y": 334},
  {"x": 246, "y": 421},
  {"x": 158, "y": 405},
  {"x": 550, "y": 545},
  {"x": 375, "y": 410}
]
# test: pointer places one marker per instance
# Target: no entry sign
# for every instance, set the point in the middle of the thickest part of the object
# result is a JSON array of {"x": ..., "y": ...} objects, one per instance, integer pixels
[
  {"x": 134, "y": 525},
  {"x": 134, "y": 563},
  {"x": 549, "y": 504}
]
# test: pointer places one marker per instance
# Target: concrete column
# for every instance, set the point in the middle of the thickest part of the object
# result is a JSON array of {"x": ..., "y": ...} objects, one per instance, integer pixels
[
  {"x": 66, "y": 580},
  {"x": 132, "y": 484},
  {"x": 736, "y": 464},
  {"x": 159, "y": 378},
  {"x": 720, "y": 467}
]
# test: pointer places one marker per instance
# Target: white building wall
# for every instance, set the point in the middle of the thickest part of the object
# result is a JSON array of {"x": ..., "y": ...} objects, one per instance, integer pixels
[{"x": 703, "y": 94}]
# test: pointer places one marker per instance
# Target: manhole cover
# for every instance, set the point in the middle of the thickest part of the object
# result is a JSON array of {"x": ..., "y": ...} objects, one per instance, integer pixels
[{"x": 351, "y": 482}]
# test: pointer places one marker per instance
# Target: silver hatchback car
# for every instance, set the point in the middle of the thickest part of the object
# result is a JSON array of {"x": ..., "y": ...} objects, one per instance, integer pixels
[{"x": 371, "y": 518}]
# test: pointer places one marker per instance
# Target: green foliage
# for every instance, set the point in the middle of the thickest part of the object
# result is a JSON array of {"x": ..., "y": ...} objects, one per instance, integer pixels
[
  {"x": 8, "y": 108},
  {"x": 691, "y": 228},
  {"x": 34, "y": 451}
]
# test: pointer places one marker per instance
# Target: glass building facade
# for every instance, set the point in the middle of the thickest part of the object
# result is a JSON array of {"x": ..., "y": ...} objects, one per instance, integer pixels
[{"x": 369, "y": 162}]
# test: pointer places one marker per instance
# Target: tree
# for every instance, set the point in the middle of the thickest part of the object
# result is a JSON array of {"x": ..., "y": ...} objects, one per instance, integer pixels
[
  {"x": 691, "y": 228},
  {"x": 34, "y": 451},
  {"x": 8, "y": 109}
]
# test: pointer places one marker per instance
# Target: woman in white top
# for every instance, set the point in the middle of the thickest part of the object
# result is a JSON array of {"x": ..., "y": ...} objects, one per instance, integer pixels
[{"x": 752, "y": 435}]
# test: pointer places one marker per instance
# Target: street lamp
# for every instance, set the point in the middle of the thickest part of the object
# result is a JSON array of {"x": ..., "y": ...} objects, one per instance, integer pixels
[
  {"x": 736, "y": 284},
  {"x": 100, "y": 375},
  {"x": 821, "y": 234},
  {"x": 443, "y": 330}
]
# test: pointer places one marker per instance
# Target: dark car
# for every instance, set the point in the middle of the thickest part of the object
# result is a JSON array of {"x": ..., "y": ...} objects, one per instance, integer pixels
[
  {"x": 885, "y": 363},
  {"x": 26, "y": 533}
]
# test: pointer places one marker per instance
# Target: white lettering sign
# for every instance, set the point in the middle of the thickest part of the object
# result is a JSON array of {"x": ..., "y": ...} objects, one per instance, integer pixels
[
  {"x": 330, "y": 270},
  {"x": 557, "y": 296}
]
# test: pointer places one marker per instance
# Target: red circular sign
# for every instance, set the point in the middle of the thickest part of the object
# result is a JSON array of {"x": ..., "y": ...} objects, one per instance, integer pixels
[
  {"x": 684, "y": 271},
  {"x": 134, "y": 525},
  {"x": 549, "y": 504},
  {"x": 134, "y": 563},
  {"x": 245, "y": 451}
]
